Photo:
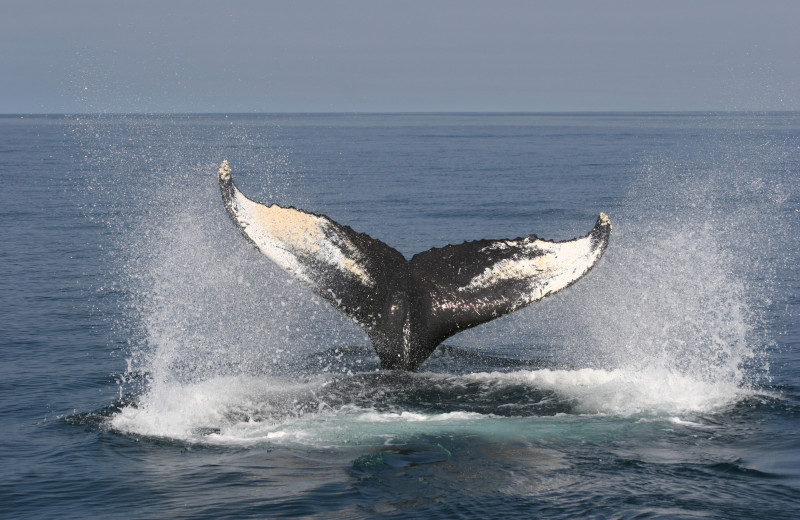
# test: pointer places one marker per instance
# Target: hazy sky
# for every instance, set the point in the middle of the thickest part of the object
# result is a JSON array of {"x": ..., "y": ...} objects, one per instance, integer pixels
[{"x": 365, "y": 56}]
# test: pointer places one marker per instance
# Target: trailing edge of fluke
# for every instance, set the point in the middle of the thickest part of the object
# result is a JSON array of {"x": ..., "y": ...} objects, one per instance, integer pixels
[{"x": 408, "y": 307}]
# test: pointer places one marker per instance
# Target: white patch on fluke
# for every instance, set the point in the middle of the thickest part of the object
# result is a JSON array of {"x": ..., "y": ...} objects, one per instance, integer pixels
[
  {"x": 286, "y": 236},
  {"x": 547, "y": 266}
]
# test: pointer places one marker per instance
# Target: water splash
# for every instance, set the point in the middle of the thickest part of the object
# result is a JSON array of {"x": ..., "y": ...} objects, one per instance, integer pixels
[{"x": 667, "y": 324}]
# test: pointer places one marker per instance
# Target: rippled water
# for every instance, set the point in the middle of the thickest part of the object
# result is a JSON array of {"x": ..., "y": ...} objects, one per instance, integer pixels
[{"x": 155, "y": 364}]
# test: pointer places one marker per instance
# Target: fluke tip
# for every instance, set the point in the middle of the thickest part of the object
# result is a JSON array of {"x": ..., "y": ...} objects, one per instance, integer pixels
[{"x": 224, "y": 172}]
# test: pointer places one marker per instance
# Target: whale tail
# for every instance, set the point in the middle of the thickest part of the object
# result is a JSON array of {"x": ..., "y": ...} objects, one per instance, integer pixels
[{"x": 408, "y": 307}]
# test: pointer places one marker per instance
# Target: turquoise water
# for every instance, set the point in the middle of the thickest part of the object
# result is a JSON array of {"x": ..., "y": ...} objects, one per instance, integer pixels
[{"x": 155, "y": 364}]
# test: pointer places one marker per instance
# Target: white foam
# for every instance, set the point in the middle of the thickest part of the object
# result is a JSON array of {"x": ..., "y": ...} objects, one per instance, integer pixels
[
  {"x": 245, "y": 411},
  {"x": 184, "y": 411},
  {"x": 411, "y": 417},
  {"x": 626, "y": 392}
]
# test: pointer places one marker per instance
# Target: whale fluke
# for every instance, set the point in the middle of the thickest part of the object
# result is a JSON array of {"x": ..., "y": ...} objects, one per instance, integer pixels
[{"x": 408, "y": 307}]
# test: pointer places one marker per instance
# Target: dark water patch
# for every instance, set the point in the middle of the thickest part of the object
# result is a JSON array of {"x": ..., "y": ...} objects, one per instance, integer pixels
[{"x": 735, "y": 468}]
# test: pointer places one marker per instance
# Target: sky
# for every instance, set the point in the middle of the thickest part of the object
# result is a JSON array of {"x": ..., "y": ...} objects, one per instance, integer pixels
[{"x": 167, "y": 56}]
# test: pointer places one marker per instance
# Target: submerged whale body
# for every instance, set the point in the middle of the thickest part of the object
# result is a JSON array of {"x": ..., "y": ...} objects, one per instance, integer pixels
[{"x": 408, "y": 307}]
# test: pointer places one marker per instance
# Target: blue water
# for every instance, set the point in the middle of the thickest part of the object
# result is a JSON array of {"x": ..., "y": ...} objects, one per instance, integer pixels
[{"x": 155, "y": 365}]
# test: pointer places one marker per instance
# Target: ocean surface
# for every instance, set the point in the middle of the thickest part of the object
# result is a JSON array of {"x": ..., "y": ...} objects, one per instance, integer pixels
[{"x": 156, "y": 365}]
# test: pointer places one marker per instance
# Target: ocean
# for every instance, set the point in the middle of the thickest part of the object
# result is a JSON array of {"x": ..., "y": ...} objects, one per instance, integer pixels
[{"x": 156, "y": 365}]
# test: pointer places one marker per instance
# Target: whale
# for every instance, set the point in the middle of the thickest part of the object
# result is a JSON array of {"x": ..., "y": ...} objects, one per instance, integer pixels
[{"x": 408, "y": 307}]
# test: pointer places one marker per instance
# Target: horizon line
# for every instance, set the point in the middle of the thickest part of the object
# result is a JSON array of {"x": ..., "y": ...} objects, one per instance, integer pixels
[{"x": 446, "y": 112}]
